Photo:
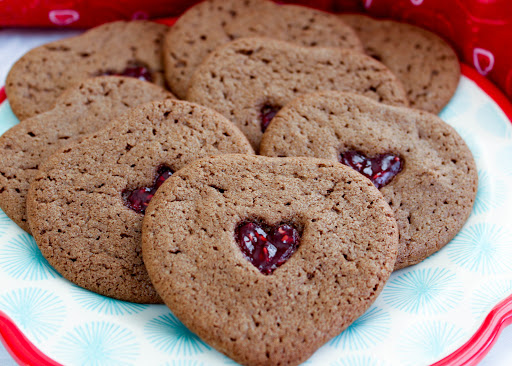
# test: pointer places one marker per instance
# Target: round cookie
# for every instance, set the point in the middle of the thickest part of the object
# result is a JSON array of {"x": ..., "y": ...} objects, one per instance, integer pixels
[
  {"x": 42, "y": 74},
  {"x": 249, "y": 79},
  {"x": 85, "y": 206},
  {"x": 213, "y": 23},
  {"x": 195, "y": 233},
  {"x": 432, "y": 196},
  {"x": 426, "y": 65},
  {"x": 82, "y": 109}
]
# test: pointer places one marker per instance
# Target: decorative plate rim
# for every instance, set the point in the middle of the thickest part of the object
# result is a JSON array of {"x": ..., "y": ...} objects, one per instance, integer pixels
[{"x": 474, "y": 350}]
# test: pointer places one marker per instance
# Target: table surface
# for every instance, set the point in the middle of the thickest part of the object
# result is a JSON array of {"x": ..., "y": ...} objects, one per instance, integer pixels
[{"x": 15, "y": 42}]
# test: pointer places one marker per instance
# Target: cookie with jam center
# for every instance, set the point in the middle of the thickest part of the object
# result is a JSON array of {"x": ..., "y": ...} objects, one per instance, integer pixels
[
  {"x": 212, "y": 23},
  {"x": 249, "y": 79},
  {"x": 82, "y": 109},
  {"x": 426, "y": 65},
  {"x": 421, "y": 165},
  {"x": 86, "y": 204},
  {"x": 118, "y": 48},
  {"x": 266, "y": 259}
]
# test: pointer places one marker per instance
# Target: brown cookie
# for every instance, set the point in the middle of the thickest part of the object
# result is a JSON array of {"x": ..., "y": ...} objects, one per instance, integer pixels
[
  {"x": 433, "y": 194},
  {"x": 426, "y": 65},
  {"x": 80, "y": 110},
  {"x": 249, "y": 79},
  {"x": 86, "y": 204},
  {"x": 216, "y": 235},
  {"x": 41, "y": 75},
  {"x": 213, "y": 23}
]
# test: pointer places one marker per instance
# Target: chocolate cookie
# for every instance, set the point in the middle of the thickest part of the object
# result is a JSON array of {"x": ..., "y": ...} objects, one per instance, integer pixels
[
  {"x": 250, "y": 79},
  {"x": 267, "y": 259},
  {"x": 427, "y": 65},
  {"x": 80, "y": 110},
  {"x": 120, "y": 48},
  {"x": 423, "y": 167},
  {"x": 86, "y": 204},
  {"x": 213, "y": 23}
]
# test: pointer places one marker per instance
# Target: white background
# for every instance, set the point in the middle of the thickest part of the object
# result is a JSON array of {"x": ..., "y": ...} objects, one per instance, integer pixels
[{"x": 14, "y": 43}]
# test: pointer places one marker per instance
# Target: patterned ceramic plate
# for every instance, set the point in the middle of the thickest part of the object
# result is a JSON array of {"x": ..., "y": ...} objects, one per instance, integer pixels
[{"x": 424, "y": 313}]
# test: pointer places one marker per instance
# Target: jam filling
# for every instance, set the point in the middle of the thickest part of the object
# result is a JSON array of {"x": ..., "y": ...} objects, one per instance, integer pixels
[
  {"x": 266, "y": 114},
  {"x": 380, "y": 169},
  {"x": 138, "y": 72},
  {"x": 267, "y": 249},
  {"x": 138, "y": 199}
]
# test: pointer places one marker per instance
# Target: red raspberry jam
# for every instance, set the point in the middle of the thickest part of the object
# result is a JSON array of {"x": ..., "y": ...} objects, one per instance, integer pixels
[
  {"x": 380, "y": 169},
  {"x": 138, "y": 199},
  {"x": 266, "y": 114},
  {"x": 138, "y": 72},
  {"x": 267, "y": 249}
]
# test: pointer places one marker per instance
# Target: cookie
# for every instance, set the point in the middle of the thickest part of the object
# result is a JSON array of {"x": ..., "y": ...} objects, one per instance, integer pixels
[
  {"x": 80, "y": 110},
  {"x": 85, "y": 206},
  {"x": 427, "y": 65},
  {"x": 41, "y": 75},
  {"x": 249, "y": 79},
  {"x": 213, "y": 23},
  {"x": 423, "y": 167},
  {"x": 267, "y": 259}
]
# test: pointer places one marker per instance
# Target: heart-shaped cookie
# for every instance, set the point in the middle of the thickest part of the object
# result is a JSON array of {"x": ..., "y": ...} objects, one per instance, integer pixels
[
  {"x": 249, "y": 79},
  {"x": 212, "y": 23},
  {"x": 82, "y": 109},
  {"x": 426, "y": 64},
  {"x": 422, "y": 166},
  {"x": 119, "y": 48},
  {"x": 85, "y": 205},
  {"x": 334, "y": 235}
]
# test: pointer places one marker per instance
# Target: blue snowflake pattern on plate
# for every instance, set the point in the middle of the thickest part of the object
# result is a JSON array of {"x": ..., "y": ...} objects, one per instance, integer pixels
[
  {"x": 184, "y": 363},
  {"x": 5, "y": 222},
  {"x": 491, "y": 193},
  {"x": 368, "y": 330},
  {"x": 423, "y": 291},
  {"x": 104, "y": 305},
  {"x": 503, "y": 159},
  {"x": 229, "y": 361},
  {"x": 8, "y": 119},
  {"x": 461, "y": 101},
  {"x": 483, "y": 248},
  {"x": 37, "y": 311},
  {"x": 358, "y": 360},
  {"x": 22, "y": 259},
  {"x": 100, "y": 344},
  {"x": 428, "y": 341},
  {"x": 493, "y": 120},
  {"x": 488, "y": 295},
  {"x": 169, "y": 335},
  {"x": 471, "y": 142}
]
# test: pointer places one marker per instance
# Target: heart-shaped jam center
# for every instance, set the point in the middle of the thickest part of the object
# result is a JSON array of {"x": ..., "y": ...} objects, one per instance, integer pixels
[
  {"x": 266, "y": 114},
  {"x": 380, "y": 169},
  {"x": 267, "y": 249},
  {"x": 138, "y": 199},
  {"x": 138, "y": 72}
]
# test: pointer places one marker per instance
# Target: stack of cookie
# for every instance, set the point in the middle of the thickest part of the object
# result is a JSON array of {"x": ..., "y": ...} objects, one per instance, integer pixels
[{"x": 136, "y": 195}]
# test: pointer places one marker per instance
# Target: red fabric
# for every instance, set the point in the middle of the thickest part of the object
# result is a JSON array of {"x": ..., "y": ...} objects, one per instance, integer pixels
[{"x": 480, "y": 30}]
